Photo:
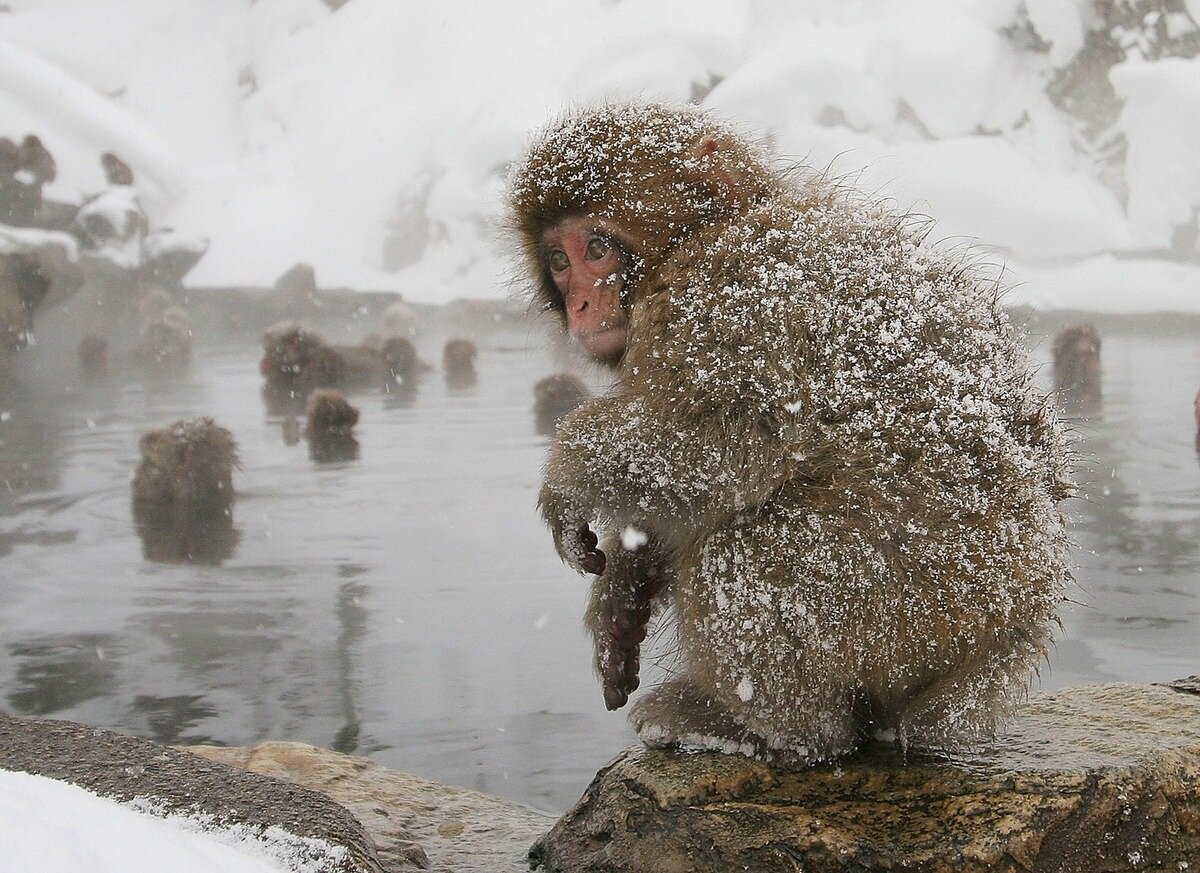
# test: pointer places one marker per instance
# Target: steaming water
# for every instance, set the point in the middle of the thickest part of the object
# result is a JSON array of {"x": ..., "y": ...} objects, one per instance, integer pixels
[{"x": 408, "y": 606}]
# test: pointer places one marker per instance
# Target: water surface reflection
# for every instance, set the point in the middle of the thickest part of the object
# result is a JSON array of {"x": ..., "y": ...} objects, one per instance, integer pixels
[{"x": 405, "y": 602}]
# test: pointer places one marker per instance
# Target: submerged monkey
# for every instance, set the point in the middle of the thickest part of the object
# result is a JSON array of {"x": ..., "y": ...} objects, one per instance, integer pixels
[
  {"x": 825, "y": 449},
  {"x": 183, "y": 492},
  {"x": 330, "y": 426}
]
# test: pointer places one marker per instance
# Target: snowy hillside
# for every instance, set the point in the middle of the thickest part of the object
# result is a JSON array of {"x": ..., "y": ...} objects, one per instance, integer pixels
[{"x": 372, "y": 141}]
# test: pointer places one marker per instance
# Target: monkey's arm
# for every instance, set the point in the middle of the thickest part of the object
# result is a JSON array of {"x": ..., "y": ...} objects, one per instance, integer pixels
[
  {"x": 619, "y": 611},
  {"x": 627, "y": 460}
]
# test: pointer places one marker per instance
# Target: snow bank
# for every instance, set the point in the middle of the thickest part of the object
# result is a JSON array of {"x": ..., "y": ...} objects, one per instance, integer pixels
[
  {"x": 372, "y": 142},
  {"x": 56, "y": 827}
]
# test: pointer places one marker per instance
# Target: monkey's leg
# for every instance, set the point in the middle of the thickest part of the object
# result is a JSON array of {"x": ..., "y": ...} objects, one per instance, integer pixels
[
  {"x": 619, "y": 612},
  {"x": 976, "y": 694},
  {"x": 764, "y": 673}
]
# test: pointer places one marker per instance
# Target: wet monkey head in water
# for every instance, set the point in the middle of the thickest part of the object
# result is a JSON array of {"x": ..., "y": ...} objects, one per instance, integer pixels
[{"x": 824, "y": 451}]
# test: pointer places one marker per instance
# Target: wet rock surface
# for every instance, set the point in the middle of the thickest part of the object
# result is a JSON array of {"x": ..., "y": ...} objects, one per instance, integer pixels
[
  {"x": 415, "y": 823},
  {"x": 123, "y": 768},
  {"x": 1099, "y": 778}
]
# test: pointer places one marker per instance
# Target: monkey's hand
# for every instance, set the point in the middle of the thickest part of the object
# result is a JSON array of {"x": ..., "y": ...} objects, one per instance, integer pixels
[
  {"x": 619, "y": 651},
  {"x": 574, "y": 538}
]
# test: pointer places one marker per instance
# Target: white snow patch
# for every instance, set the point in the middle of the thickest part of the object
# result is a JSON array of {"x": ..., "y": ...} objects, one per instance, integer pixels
[{"x": 56, "y": 827}]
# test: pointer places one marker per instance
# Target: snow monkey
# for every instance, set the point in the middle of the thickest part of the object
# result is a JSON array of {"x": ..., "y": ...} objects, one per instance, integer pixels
[
  {"x": 186, "y": 474},
  {"x": 1077, "y": 364},
  {"x": 458, "y": 362},
  {"x": 330, "y": 427},
  {"x": 824, "y": 451}
]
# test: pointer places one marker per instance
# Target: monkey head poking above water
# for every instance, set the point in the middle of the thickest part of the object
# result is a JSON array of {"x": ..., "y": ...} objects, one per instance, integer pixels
[{"x": 824, "y": 450}]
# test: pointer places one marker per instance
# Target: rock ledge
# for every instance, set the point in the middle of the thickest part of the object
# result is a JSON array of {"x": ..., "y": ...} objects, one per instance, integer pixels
[{"x": 1100, "y": 778}]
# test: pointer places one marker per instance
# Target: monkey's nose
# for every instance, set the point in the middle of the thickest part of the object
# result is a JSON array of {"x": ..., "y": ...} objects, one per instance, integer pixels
[{"x": 577, "y": 301}]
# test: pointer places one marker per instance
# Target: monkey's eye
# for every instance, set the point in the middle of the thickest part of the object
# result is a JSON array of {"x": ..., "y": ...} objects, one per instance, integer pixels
[
  {"x": 558, "y": 261},
  {"x": 598, "y": 247}
]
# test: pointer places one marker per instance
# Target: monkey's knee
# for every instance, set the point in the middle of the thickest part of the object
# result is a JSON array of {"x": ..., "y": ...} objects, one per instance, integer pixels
[
  {"x": 966, "y": 705},
  {"x": 682, "y": 714},
  {"x": 678, "y": 714}
]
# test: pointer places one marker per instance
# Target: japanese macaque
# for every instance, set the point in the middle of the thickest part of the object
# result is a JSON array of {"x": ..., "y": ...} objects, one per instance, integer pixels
[
  {"x": 330, "y": 426},
  {"x": 296, "y": 361},
  {"x": 164, "y": 346},
  {"x": 116, "y": 171},
  {"x": 23, "y": 286},
  {"x": 824, "y": 451},
  {"x": 555, "y": 396},
  {"x": 458, "y": 363},
  {"x": 24, "y": 169},
  {"x": 1077, "y": 364},
  {"x": 37, "y": 160},
  {"x": 296, "y": 292},
  {"x": 183, "y": 492}
]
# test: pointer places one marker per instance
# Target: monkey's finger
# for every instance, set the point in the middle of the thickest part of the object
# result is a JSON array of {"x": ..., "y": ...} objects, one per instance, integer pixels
[
  {"x": 587, "y": 537},
  {"x": 629, "y": 682},
  {"x": 614, "y": 697},
  {"x": 593, "y": 561}
]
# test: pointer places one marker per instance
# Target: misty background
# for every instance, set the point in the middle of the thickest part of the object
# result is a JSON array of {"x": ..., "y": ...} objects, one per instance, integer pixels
[{"x": 371, "y": 138}]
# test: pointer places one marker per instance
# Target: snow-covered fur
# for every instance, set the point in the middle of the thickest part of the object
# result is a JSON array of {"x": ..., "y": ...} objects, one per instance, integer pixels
[{"x": 830, "y": 434}]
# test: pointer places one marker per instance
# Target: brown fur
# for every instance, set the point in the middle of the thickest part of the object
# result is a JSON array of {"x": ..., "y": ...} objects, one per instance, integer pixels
[
  {"x": 186, "y": 470},
  {"x": 164, "y": 346},
  {"x": 295, "y": 362},
  {"x": 22, "y": 287},
  {"x": 329, "y": 411},
  {"x": 331, "y": 421},
  {"x": 458, "y": 363},
  {"x": 824, "y": 451},
  {"x": 1077, "y": 364}
]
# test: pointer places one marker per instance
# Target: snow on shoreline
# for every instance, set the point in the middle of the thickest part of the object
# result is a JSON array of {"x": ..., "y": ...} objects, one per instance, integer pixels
[{"x": 55, "y": 827}]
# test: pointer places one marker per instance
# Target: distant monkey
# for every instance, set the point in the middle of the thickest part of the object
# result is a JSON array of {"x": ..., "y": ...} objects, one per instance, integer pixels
[
  {"x": 187, "y": 467},
  {"x": 297, "y": 361},
  {"x": 164, "y": 346},
  {"x": 23, "y": 286},
  {"x": 458, "y": 363},
  {"x": 24, "y": 170},
  {"x": 116, "y": 171},
  {"x": 183, "y": 492},
  {"x": 37, "y": 160},
  {"x": 555, "y": 396},
  {"x": 1077, "y": 364},
  {"x": 824, "y": 450},
  {"x": 331, "y": 421}
]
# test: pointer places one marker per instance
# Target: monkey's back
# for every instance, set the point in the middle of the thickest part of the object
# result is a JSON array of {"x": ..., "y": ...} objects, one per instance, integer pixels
[
  {"x": 186, "y": 465},
  {"x": 919, "y": 524}
]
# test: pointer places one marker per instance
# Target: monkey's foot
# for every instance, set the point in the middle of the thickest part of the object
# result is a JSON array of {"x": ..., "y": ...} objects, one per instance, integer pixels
[{"x": 678, "y": 715}]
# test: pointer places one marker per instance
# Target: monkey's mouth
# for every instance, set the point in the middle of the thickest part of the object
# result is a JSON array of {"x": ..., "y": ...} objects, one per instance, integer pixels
[{"x": 605, "y": 343}]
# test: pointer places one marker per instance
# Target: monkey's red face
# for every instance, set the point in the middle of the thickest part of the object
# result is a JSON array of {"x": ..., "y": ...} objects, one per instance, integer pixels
[{"x": 588, "y": 269}]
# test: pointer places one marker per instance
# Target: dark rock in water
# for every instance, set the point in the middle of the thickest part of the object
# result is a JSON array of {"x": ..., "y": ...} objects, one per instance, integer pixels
[
  {"x": 122, "y": 768},
  {"x": 1099, "y": 778}
]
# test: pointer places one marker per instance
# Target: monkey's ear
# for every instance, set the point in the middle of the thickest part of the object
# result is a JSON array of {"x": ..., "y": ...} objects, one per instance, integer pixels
[{"x": 707, "y": 152}]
